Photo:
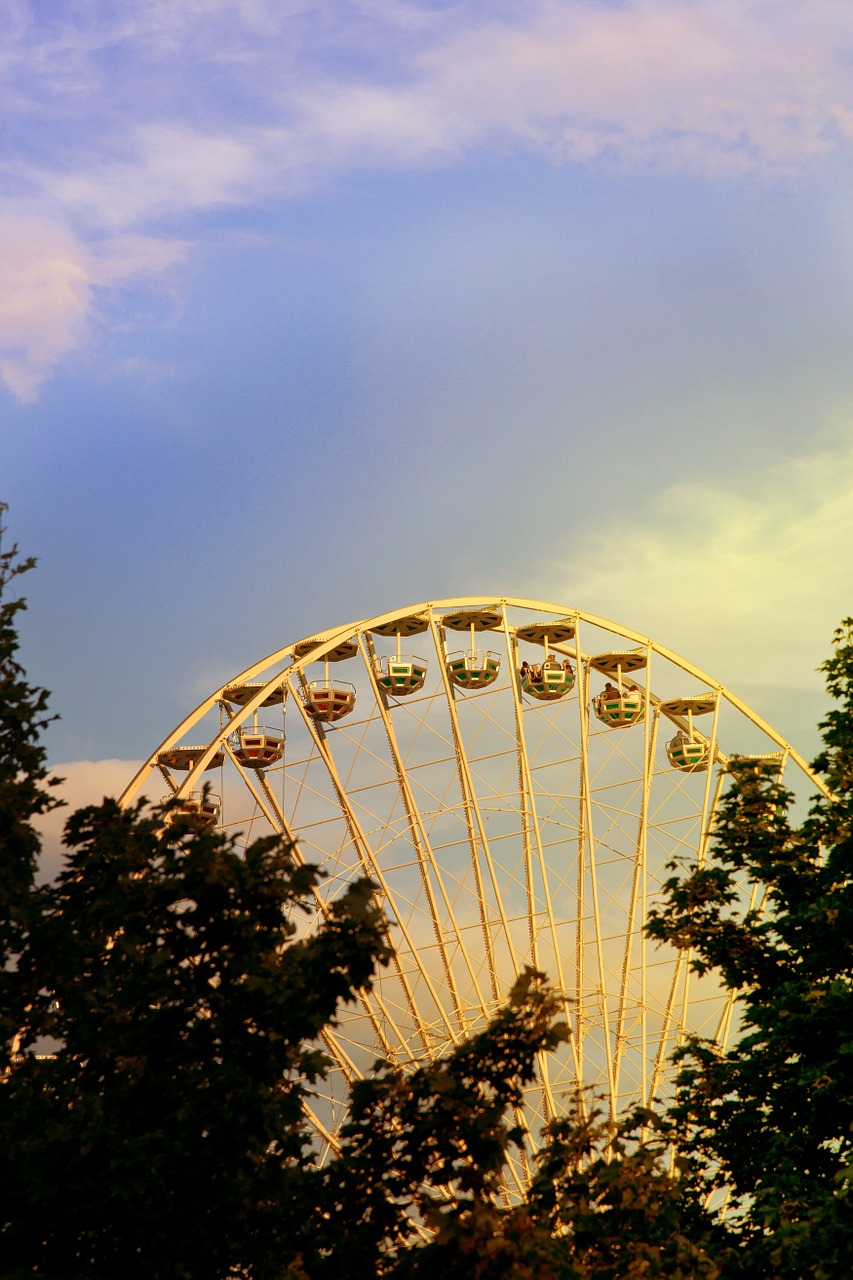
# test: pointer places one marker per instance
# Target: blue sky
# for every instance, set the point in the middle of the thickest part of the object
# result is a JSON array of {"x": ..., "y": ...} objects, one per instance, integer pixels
[{"x": 310, "y": 310}]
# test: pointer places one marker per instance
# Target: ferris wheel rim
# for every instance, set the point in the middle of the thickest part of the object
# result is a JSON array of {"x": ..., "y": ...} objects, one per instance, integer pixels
[
  {"x": 325, "y": 641},
  {"x": 448, "y": 981}
]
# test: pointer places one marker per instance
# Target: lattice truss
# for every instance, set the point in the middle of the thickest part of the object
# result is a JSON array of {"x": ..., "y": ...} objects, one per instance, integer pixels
[{"x": 504, "y": 821}]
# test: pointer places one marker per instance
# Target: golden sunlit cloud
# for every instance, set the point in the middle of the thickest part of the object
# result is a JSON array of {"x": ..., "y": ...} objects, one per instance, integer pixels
[{"x": 747, "y": 579}]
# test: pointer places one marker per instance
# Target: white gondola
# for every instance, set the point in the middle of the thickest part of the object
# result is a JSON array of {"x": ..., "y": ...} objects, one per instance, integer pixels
[
  {"x": 401, "y": 675},
  {"x": 257, "y": 748},
  {"x": 185, "y": 758},
  {"x": 548, "y": 682},
  {"x": 689, "y": 750},
  {"x": 202, "y": 809},
  {"x": 619, "y": 706},
  {"x": 472, "y": 668},
  {"x": 554, "y": 677},
  {"x": 476, "y": 669},
  {"x": 688, "y": 754},
  {"x": 328, "y": 700}
]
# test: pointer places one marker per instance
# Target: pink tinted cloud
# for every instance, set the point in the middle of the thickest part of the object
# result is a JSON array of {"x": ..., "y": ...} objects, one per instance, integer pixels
[
  {"x": 712, "y": 86},
  {"x": 171, "y": 168},
  {"x": 47, "y": 283}
]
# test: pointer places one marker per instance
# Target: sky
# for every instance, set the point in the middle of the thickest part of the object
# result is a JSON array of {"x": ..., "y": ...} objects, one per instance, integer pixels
[{"x": 310, "y": 309}]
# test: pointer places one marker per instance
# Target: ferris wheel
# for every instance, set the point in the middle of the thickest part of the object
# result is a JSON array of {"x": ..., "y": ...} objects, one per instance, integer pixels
[{"x": 515, "y": 790}]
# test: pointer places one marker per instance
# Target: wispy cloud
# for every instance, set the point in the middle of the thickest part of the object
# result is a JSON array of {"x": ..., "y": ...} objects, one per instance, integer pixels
[
  {"x": 715, "y": 85},
  {"x": 132, "y": 120},
  {"x": 715, "y": 88},
  {"x": 48, "y": 281},
  {"x": 747, "y": 579},
  {"x": 173, "y": 170}
]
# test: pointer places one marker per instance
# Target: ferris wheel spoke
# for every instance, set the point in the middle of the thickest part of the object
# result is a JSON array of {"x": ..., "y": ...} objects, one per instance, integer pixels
[
  {"x": 593, "y": 882},
  {"x": 426, "y": 860},
  {"x": 371, "y": 867},
  {"x": 710, "y": 802},
  {"x": 477, "y": 839},
  {"x": 637, "y": 894},
  {"x": 710, "y": 798},
  {"x": 336, "y": 1049},
  {"x": 367, "y": 1000},
  {"x": 328, "y": 1137},
  {"x": 663, "y": 1038},
  {"x": 531, "y": 828},
  {"x": 525, "y": 793},
  {"x": 580, "y": 884},
  {"x": 756, "y": 901}
]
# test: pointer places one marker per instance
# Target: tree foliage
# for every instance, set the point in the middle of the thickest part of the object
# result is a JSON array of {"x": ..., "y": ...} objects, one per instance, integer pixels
[
  {"x": 163, "y": 1136},
  {"x": 432, "y": 1146},
  {"x": 772, "y": 1118},
  {"x": 24, "y": 794}
]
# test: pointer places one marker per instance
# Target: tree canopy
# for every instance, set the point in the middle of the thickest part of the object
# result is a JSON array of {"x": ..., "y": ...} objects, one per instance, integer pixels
[
  {"x": 772, "y": 1118},
  {"x": 24, "y": 794},
  {"x": 161, "y": 1027}
]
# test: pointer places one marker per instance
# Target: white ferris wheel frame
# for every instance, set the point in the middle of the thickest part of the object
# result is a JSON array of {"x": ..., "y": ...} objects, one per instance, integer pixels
[{"x": 455, "y": 1011}]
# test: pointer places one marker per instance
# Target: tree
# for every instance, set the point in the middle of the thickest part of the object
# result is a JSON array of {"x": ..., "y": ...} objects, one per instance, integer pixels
[
  {"x": 431, "y": 1147},
  {"x": 627, "y": 1204},
  {"x": 429, "y": 1150},
  {"x": 771, "y": 1119},
  {"x": 186, "y": 1018},
  {"x": 165, "y": 1137},
  {"x": 24, "y": 794}
]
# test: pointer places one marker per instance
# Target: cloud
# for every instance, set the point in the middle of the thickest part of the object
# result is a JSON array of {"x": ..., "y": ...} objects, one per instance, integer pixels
[
  {"x": 48, "y": 279},
  {"x": 747, "y": 579},
  {"x": 124, "y": 119},
  {"x": 45, "y": 293},
  {"x": 174, "y": 169},
  {"x": 225, "y": 102},
  {"x": 84, "y": 782},
  {"x": 712, "y": 87}
]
